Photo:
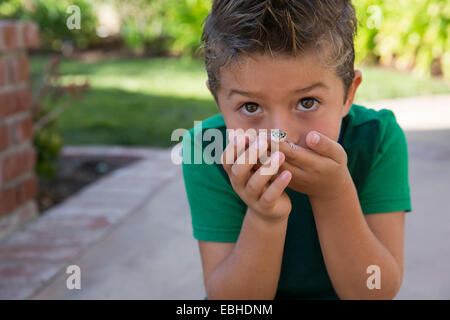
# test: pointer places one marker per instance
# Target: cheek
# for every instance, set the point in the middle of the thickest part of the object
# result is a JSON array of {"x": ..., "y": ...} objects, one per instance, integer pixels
[
  {"x": 328, "y": 127},
  {"x": 234, "y": 122},
  {"x": 231, "y": 119}
]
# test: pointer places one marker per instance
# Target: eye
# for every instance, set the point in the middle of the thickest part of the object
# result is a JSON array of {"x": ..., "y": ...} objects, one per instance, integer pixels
[
  {"x": 251, "y": 108},
  {"x": 308, "y": 104}
]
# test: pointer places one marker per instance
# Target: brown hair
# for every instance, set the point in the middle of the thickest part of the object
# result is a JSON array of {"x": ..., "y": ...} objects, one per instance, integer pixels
[{"x": 243, "y": 27}]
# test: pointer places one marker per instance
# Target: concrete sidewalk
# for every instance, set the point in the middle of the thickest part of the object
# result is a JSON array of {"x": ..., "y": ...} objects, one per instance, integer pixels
[
  {"x": 151, "y": 253},
  {"x": 154, "y": 256}
]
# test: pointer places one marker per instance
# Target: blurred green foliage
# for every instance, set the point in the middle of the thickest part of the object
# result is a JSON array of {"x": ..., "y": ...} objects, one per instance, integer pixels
[
  {"x": 165, "y": 26},
  {"x": 48, "y": 144},
  {"x": 406, "y": 34},
  {"x": 140, "y": 101},
  {"x": 50, "y": 99},
  {"x": 51, "y": 16}
]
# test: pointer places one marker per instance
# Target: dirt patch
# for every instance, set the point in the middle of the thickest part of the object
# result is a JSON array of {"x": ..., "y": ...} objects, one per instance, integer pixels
[{"x": 74, "y": 173}]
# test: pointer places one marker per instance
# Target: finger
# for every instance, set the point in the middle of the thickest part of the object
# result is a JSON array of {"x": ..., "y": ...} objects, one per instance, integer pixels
[
  {"x": 235, "y": 148},
  {"x": 299, "y": 156},
  {"x": 255, "y": 184},
  {"x": 297, "y": 172},
  {"x": 276, "y": 189},
  {"x": 257, "y": 146},
  {"x": 241, "y": 169},
  {"x": 326, "y": 147}
]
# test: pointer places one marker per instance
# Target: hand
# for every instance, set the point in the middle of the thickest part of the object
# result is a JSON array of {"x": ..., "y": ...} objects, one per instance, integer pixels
[
  {"x": 319, "y": 172},
  {"x": 267, "y": 200}
]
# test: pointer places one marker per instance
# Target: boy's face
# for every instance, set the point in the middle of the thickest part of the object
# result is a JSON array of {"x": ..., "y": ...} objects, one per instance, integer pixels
[{"x": 296, "y": 95}]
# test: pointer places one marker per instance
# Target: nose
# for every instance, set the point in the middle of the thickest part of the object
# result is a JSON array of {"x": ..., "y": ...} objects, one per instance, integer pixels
[{"x": 286, "y": 123}]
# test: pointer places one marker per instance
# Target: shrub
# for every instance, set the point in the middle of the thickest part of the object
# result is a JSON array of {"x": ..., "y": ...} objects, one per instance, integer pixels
[
  {"x": 163, "y": 26},
  {"x": 50, "y": 99},
  {"x": 406, "y": 34},
  {"x": 51, "y": 16}
]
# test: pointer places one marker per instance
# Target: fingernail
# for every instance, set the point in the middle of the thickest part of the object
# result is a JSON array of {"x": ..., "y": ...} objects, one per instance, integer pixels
[
  {"x": 315, "y": 138},
  {"x": 285, "y": 175}
]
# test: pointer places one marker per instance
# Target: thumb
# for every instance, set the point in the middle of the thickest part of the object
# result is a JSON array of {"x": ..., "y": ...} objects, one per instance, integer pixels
[{"x": 325, "y": 146}]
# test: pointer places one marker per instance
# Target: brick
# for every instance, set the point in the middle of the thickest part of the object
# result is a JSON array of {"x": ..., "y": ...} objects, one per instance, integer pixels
[
  {"x": 21, "y": 215},
  {"x": 4, "y": 137},
  {"x": 12, "y": 273},
  {"x": 17, "y": 164},
  {"x": 8, "y": 33},
  {"x": 69, "y": 237},
  {"x": 35, "y": 252},
  {"x": 30, "y": 34},
  {"x": 23, "y": 99},
  {"x": 22, "y": 130},
  {"x": 15, "y": 101},
  {"x": 26, "y": 190},
  {"x": 58, "y": 222},
  {"x": 3, "y": 72},
  {"x": 8, "y": 201},
  {"x": 19, "y": 68},
  {"x": 8, "y": 104}
]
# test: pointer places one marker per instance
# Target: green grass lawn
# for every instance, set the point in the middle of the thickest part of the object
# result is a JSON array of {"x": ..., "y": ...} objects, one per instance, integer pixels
[{"x": 141, "y": 101}]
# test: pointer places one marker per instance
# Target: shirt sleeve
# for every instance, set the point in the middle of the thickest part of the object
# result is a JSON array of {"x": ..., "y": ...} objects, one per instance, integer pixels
[
  {"x": 387, "y": 185},
  {"x": 217, "y": 212}
]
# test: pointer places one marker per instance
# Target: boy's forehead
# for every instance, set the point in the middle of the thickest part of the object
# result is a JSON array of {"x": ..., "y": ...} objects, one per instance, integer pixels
[{"x": 258, "y": 72}]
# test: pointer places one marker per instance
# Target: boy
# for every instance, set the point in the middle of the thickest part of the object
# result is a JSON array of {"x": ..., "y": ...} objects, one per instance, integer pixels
[{"x": 329, "y": 222}]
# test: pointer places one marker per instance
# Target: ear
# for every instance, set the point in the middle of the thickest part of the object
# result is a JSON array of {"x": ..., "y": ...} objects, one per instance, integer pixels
[
  {"x": 207, "y": 85},
  {"x": 357, "y": 79}
]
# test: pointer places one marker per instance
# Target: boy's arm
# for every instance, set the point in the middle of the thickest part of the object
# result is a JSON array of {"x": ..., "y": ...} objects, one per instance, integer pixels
[
  {"x": 252, "y": 269},
  {"x": 350, "y": 244},
  {"x": 249, "y": 268}
]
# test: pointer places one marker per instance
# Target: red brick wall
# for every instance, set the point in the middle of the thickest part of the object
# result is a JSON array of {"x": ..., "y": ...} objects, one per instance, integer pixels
[{"x": 18, "y": 184}]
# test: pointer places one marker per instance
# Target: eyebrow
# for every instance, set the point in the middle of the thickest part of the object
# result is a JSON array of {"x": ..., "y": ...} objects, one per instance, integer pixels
[{"x": 300, "y": 90}]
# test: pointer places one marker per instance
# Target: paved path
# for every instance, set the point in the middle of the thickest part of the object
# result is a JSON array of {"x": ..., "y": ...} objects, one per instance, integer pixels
[
  {"x": 145, "y": 248},
  {"x": 150, "y": 256},
  {"x": 418, "y": 113},
  {"x": 32, "y": 257}
]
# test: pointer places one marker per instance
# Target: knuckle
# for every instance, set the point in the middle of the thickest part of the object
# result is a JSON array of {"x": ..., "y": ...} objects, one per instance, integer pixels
[
  {"x": 227, "y": 156},
  {"x": 290, "y": 154},
  {"x": 342, "y": 153},
  {"x": 317, "y": 167},
  {"x": 223, "y": 157},
  {"x": 237, "y": 187},
  {"x": 265, "y": 202},
  {"x": 234, "y": 172},
  {"x": 227, "y": 169},
  {"x": 252, "y": 189},
  {"x": 344, "y": 157}
]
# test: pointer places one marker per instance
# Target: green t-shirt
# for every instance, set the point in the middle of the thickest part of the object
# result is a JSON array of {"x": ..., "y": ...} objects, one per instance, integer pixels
[{"x": 378, "y": 163}]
